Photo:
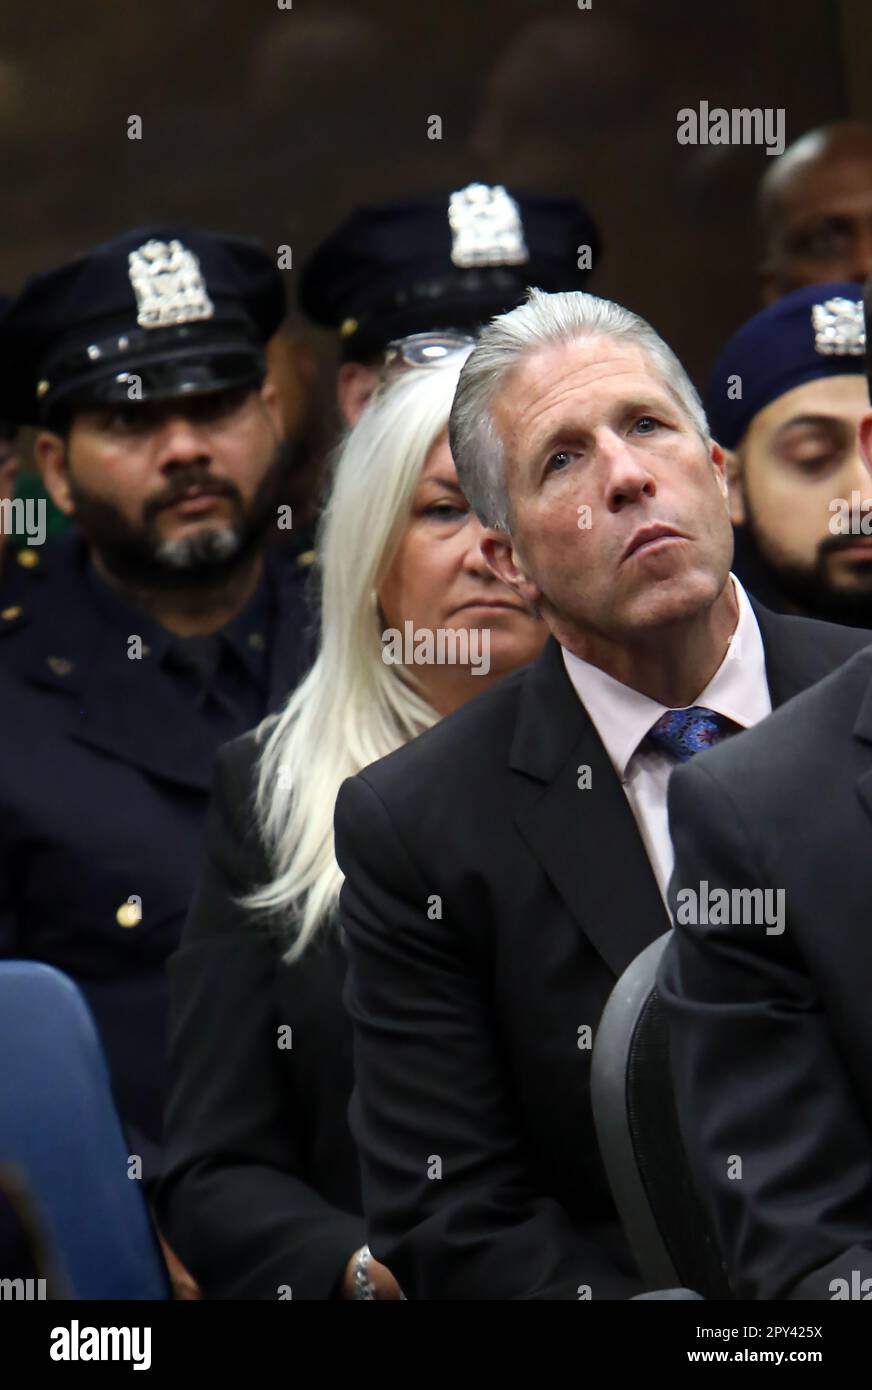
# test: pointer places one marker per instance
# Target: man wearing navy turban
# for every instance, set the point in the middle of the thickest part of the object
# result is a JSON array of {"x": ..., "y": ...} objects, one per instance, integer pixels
[{"x": 785, "y": 399}]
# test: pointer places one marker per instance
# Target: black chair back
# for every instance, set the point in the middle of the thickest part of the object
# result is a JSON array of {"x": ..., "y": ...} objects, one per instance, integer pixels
[{"x": 669, "y": 1231}]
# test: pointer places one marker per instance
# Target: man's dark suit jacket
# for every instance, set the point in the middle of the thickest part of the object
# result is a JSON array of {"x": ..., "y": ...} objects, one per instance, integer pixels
[
  {"x": 490, "y": 904},
  {"x": 261, "y": 1188},
  {"x": 771, "y": 1034}
]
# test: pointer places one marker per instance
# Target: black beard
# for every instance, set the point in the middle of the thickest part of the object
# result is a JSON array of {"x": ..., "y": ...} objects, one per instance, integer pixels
[
  {"x": 131, "y": 554},
  {"x": 791, "y": 589}
]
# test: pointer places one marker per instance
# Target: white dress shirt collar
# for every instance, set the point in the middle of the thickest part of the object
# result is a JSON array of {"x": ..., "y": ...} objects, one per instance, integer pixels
[{"x": 623, "y": 716}]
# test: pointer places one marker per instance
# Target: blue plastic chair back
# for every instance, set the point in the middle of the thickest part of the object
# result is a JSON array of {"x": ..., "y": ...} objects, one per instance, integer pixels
[{"x": 60, "y": 1127}]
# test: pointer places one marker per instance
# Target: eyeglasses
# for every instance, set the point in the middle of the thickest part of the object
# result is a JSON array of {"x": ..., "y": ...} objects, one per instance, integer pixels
[
  {"x": 422, "y": 350},
  {"x": 426, "y": 349}
]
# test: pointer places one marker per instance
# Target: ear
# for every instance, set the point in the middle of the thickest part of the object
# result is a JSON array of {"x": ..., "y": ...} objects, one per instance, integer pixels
[
  {"x": 355, "y": 384},
  {"x": 50, "y": 454},
  {"x": 733, "y": 476},
  {"x": 718, "y": 458},
  {"x": 270, "y": 397},
  {"x": 503, "y": 560}
]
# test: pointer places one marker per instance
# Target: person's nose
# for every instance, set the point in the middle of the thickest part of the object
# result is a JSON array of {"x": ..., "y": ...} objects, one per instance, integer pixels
[
  {"x": 473, "y": 562},
  {"x": 181, "y": 443},
  {"x": 627, "y": 475}
]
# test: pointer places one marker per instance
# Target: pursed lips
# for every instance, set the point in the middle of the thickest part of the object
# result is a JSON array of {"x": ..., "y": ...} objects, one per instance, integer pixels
[
  {"x": 491, "y": 603},
  {"x": 647, "y": 535},
  {"x": 195, "y": 495}
]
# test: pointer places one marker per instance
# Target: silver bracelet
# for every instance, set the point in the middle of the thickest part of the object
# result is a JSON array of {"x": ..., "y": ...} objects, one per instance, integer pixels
[{"x": 363, "y": 1285}]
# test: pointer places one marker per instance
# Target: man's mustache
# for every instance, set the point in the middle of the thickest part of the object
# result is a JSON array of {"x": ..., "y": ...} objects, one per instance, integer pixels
[
  {"x": 832, "y": 544},
  {"x": 178, "y": 490}
]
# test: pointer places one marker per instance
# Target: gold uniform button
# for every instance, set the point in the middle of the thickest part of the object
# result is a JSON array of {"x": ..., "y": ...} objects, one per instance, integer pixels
[
  {"x": 257, "y": 641},
  {"x": 28, "y": 559},
  {"x": 12, "y": 612},
  {"x": 60, "y": 665},
  {"x": 307, "y": 558},
  {"x": 347, "y": 327},
  {"x": 128, "y": 915}
]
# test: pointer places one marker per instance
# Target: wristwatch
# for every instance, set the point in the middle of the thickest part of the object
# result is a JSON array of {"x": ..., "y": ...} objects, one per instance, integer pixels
[{"x": 363, "y": 1285}]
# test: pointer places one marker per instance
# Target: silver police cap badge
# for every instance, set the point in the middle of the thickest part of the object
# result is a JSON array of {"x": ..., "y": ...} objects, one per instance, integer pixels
[
  {"x": 486, "y": 227},
  {"x": 839, "y": 327},
  {"x": 168, "y": 285}
]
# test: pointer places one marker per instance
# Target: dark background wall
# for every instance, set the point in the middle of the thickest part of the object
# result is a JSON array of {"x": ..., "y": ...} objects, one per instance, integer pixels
[{"x": 274, "y": 122}]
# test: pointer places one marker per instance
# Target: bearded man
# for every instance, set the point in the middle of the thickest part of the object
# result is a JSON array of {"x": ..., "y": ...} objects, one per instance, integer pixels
[{"x": 158, "y": 628}]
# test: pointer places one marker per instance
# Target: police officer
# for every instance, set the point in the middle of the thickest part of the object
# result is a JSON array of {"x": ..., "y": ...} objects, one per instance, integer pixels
[
  {"x": 784, "y": 400},
  {"x": 439, "y": 266},
  {"x": 158, "y": 628}
]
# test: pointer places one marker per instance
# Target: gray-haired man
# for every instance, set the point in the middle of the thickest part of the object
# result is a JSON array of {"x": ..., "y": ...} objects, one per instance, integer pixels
[{"x": 504, "y": 868}]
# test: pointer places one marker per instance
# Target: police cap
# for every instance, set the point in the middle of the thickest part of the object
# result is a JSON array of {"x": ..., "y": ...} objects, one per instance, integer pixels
[
  {"x": 448, "y": 261},
  {"x": 158, "y": 313}
]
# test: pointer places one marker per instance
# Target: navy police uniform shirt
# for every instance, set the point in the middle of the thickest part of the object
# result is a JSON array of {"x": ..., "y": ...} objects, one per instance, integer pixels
[{"x": 105, "y": 773}]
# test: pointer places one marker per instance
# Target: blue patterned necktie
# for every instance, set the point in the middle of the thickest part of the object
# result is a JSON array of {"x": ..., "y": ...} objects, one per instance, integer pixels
[{"x": 684, "y": 732}]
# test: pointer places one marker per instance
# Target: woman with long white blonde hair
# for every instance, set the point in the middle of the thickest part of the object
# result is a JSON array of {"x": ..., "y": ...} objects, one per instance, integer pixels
[{"x": 260, "y": 1193}]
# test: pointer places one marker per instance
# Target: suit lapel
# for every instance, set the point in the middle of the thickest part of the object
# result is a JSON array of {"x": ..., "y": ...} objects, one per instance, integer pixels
[
  {"x": 863, "y": 731},
  {"x": 587, "y": 841},
  {"x": 796, "y": 658}
]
